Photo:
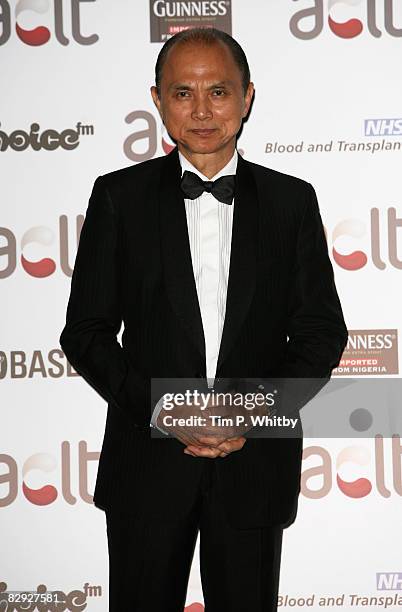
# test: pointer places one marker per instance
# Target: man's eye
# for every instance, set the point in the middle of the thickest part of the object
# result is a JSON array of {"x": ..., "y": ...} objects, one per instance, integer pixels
[
  {"x": 219, "y": 92},
  {"x": 182, "y": 94}
]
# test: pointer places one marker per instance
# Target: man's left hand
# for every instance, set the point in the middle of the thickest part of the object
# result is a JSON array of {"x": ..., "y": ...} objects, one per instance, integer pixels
[{"x": 216, "y": 447}]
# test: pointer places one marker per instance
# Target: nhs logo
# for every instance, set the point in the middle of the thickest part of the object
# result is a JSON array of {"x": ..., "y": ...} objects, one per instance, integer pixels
[
  {"x": 383, "y": 127},
  {"x": 389, "y": 581}
]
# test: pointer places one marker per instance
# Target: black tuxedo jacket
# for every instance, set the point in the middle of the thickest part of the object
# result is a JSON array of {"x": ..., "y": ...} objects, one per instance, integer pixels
[{"x": 283, "y": 319}]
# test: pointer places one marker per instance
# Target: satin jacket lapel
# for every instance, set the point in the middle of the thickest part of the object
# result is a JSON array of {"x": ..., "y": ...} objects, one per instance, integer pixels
[
  {"x": 243, "y": 258},
  {"x": 176, "y": 253}
]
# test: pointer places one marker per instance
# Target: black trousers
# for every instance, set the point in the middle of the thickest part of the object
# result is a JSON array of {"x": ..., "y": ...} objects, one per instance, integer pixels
[{"x": 150, "y": 559}]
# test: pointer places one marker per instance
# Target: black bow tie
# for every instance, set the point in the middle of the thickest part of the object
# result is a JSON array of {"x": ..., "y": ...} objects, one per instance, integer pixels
[{"x": 222, "y": 189}]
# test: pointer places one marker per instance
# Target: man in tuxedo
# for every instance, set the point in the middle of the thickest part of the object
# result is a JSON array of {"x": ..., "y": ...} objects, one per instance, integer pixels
[{"x": 218, "y": 268}]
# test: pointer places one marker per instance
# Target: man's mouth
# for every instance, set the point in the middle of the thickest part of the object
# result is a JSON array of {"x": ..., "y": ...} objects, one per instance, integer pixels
[{"x": 203, "y": 131}]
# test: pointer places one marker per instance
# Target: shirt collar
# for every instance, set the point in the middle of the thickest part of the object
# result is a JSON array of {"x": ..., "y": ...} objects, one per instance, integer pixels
[{"x": 230, "y": 167}]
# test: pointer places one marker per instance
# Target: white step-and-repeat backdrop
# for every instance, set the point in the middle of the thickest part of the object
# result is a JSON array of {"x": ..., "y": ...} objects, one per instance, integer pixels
[{"x": 75, "y": 103}]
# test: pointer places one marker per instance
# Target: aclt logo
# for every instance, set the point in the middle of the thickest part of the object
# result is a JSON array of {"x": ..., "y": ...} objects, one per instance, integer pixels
[
  {"x": 381, "y": 252},
  {"x": 44, "y": 237},
  {"x": 357, "y": 229},
  {"x": 41, "y": 34},
  {"x": 147, "y": 135},
  {"x": 383, "y": 463},
  {"x": 351, "y": 28},
  {"x": 47, "y": 463}
]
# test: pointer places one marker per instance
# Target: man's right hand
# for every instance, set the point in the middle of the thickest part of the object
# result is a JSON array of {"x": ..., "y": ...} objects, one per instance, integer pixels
[
  {"x": 208, "y": 440},
  {"x": 183, "y": 433},
  {"x": 216, "y": 448}
]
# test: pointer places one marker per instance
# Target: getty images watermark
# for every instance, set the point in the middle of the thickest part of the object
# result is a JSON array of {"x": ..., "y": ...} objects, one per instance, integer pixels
[
  {"x": 230, "y": 408},
  {"x": 282, "y": 407},
  {"x": 205, "y": 401}
]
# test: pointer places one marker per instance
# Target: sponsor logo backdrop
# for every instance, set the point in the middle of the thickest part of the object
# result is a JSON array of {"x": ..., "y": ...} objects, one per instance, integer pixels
[{"x": 75, "y": 103}]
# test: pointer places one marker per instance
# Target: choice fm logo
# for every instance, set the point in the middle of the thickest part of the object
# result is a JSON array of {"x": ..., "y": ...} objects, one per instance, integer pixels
[
  {"x": 41, "y": 34},
  {"x": 42, "y": 599},
  {"x": 344, "y": 29},
  {"x": 67, "y": 139}
]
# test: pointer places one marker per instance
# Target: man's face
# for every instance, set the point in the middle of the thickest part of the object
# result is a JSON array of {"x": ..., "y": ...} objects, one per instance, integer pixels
[{"x": 202, "y": 101}]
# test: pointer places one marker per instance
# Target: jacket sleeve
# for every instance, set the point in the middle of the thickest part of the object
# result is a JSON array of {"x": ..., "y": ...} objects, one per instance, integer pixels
[
  {"x": 317, "y": 333},
  {"x": 316, "y": 330},
  {"x": 94, "y": 313}
]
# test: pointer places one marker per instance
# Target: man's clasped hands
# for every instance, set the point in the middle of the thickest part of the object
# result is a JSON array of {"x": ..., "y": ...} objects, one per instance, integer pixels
[{"x": 215, "y": 437}]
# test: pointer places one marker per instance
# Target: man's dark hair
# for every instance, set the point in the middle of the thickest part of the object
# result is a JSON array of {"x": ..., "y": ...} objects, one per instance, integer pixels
[{"x": 207, "y": 36}]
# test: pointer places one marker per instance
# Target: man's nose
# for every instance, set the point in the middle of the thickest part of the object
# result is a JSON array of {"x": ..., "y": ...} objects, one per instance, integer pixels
[{"x": 201, "y": 108}]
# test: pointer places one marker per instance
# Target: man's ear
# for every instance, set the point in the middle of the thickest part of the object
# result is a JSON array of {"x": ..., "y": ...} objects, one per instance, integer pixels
[
  {"x": 156, "y": 99},
  {"x": 248, "y": 98}
]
